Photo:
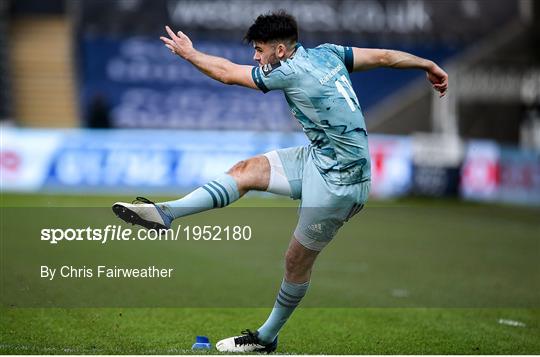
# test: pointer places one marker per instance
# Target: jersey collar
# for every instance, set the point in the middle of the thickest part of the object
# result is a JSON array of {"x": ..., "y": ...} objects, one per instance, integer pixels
[{"x": 296, "y": 47}]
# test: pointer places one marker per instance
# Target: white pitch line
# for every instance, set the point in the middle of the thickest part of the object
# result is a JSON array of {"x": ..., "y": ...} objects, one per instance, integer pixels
[{"x": 513, "y": 323}]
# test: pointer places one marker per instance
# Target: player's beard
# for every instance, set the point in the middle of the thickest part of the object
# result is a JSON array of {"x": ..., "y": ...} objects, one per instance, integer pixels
[{"x": 273, "y": 58}]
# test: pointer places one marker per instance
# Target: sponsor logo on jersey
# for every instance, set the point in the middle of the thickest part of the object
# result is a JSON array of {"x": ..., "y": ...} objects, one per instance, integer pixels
[
  {"x": 269, "y": 67},
  {"x": 331, "y": 74}
]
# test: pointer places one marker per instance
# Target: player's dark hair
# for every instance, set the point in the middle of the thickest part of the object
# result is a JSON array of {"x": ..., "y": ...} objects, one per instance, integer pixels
[{"x": 278, "y": 25}]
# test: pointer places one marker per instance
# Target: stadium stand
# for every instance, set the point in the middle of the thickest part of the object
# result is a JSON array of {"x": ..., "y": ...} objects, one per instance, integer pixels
[
  {"x": 5, "y": 101},
  {"x": 495, "y": 90},
  {"x": 120, "y": 60},
  {"x": 42, "y": 68}
]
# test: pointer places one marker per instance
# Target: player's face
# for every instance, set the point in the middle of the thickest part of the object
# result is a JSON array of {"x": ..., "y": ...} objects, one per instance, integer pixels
[{"x": 265, "y": 53}]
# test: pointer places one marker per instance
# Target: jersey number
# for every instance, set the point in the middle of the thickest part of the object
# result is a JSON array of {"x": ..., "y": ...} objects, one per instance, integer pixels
[{"x": 349, "y": 96}]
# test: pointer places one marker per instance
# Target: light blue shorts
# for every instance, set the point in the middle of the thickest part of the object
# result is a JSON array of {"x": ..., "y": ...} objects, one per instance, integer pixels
[{"x": 325, "y": 206}]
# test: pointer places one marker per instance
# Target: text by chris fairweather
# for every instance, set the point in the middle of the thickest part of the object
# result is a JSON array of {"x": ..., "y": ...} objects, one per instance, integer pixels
[{"x": 103, "y": 271}]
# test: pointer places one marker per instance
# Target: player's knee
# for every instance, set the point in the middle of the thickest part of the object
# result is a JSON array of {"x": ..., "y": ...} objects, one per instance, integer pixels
[
  {"x": 251, "y": 174},
  {"x": 240, "y": 172},
  {"x": 239, "y": 168}
]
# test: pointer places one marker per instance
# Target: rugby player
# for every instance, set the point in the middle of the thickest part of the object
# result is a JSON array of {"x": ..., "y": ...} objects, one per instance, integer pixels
[{"x": 331, "y": 176}]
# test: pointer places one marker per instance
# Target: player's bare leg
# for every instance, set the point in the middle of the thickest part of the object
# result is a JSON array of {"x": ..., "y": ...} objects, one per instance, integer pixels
[{"x": 299, "y": 261}]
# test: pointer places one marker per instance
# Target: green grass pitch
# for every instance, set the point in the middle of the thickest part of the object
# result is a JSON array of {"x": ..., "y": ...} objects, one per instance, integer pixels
[{"x": 403, "y": 277}]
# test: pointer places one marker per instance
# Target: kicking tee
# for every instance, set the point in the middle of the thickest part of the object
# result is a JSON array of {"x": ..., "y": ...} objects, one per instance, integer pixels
[{"x": 318, "y": 89}]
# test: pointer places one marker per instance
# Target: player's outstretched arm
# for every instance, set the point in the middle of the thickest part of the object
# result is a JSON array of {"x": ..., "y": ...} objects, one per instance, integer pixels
[
  {"x": 217, "y": 68},
  {"x": 368, "y": 58}
]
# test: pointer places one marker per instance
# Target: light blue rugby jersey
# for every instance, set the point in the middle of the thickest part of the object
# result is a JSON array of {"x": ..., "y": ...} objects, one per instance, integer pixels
[{"x": 318, "y": 89}]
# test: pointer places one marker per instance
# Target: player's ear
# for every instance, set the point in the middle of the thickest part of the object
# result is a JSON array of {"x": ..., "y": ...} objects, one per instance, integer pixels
[{"x": 281, "y": 50}]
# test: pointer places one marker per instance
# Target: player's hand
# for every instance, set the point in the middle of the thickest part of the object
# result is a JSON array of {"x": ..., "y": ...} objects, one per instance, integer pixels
[
  {"x": 438, "y": 78},
  {"x": 178, "y": 43}
]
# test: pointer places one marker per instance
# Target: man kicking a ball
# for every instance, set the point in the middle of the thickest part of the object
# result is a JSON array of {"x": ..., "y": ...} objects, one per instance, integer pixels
[{"x": 331, "y": 176}]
